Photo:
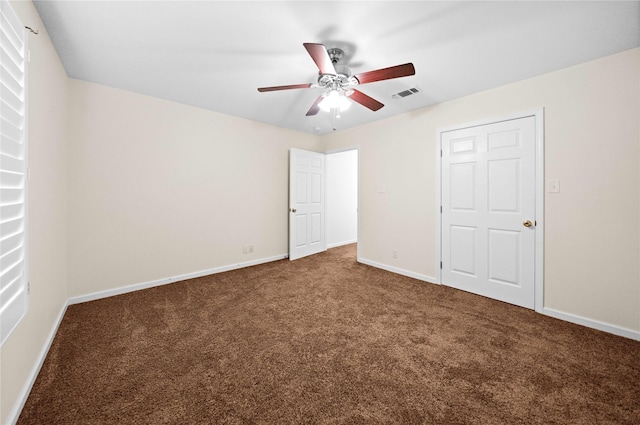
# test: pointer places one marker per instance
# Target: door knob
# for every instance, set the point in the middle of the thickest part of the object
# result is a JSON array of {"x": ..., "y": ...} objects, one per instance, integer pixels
[
  {"x": 293, "y": 210},
  {"x": 527, "y": 223}
]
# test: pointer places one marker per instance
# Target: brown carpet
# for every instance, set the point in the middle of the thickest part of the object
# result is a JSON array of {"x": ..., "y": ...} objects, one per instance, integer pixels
[{"x": 329, "y": 341}]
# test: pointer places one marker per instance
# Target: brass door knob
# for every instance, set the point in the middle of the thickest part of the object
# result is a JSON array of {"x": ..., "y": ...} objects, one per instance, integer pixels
[{"x": 527, "y": 223}]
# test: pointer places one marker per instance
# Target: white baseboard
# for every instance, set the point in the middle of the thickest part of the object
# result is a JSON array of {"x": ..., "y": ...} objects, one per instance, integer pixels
[
  {"x": 397, "y": 270},
  {"x": 12, "y": 419},
  {"x": 337, "y": 244},
  {"x": 590, "y": 323},
  {"x": 159, "y": 282}
]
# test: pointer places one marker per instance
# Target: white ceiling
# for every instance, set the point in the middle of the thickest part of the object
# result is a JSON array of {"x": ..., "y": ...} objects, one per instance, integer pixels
[{"x": 214, "y": 54}]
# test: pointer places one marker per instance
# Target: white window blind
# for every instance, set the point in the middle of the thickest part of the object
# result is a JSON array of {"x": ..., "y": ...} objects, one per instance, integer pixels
[{"x": 13, "y": 171}]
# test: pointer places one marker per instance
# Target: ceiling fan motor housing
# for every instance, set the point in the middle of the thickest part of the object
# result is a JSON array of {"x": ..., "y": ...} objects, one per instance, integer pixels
[{"x": 342, "y": 80}]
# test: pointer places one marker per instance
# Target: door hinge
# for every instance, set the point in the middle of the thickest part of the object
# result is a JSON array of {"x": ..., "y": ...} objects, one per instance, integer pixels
[
  {"x": 440, "y": 153},
  {"x": 28, "y": 287},
  {"x": 440, "y": 209},
  {"x": 440, "y": 265}
]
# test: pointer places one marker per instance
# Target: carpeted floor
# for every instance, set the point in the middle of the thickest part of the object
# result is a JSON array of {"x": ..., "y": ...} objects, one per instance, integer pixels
[{"x": 325, "y": 340}]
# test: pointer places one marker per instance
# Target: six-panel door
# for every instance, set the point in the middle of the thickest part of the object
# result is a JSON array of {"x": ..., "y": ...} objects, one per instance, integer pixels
[
  {"x": 307, "y": 205},
  {"x": 488, "y": 201}
]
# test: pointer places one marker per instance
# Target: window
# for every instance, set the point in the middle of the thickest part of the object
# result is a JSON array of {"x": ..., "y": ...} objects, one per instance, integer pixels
[{"x": 13, "y": 171}]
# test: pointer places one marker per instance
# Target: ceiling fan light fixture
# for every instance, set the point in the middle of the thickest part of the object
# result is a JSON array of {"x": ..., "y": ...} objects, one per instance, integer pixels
[{"x": 334, "y": 100}]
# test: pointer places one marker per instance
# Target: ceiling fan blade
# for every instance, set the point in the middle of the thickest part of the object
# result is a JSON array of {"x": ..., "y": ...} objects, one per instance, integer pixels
[
  {"x": 365, "y": 100},
  {"x": 293, "y": 86},
  {"x": 315, "y": 108},
  {"x": 320, "y": 56},
  {"x": 386, "y": 73}
]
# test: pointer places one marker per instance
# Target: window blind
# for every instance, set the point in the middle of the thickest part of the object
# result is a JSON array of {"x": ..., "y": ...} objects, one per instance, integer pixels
[{"x": 13, "y": 171}]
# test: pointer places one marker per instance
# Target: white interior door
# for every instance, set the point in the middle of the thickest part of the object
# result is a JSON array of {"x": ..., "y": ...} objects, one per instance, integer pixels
[
  {"x": 488, "y": 210},
  {"x": 306, "y": 203}
]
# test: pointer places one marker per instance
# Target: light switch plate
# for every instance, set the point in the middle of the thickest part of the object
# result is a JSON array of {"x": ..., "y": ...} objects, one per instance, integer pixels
[{"x": 553, "y": 185}]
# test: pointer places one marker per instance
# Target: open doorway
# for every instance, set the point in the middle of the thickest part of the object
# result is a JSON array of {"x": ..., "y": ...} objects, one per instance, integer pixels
[{"x": 342, "y": 198}]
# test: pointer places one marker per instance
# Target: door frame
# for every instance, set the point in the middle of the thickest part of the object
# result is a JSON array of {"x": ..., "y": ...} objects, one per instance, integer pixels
[
  {"x": 357, "y": 149},
  {"x": 538, "y": 115}
]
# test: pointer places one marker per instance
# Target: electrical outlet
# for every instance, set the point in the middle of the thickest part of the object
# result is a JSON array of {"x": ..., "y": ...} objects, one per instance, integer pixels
[
  {"x": 245, "y": 249},
  {"x": 394, "y": 253},
  {"x": 250, "y": 249}
]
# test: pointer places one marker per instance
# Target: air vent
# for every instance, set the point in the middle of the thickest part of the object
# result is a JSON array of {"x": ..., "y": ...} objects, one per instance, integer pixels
[{"x": 405, "y": 93}]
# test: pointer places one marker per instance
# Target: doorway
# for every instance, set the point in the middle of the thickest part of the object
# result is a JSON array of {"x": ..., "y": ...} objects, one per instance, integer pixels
[
  {"x": 342, "y": 198},
  {"x": 323, "y": 200}
]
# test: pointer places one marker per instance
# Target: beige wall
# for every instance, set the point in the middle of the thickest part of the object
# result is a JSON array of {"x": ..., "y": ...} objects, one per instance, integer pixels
[
  {"x": 47, "y": 213},
  {"x": 592, "y": 144},
  {"x": 160, "y": 189}
]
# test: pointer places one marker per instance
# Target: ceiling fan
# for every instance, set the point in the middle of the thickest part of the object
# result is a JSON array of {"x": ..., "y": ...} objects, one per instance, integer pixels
[{"x": 338, "y": 82}]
